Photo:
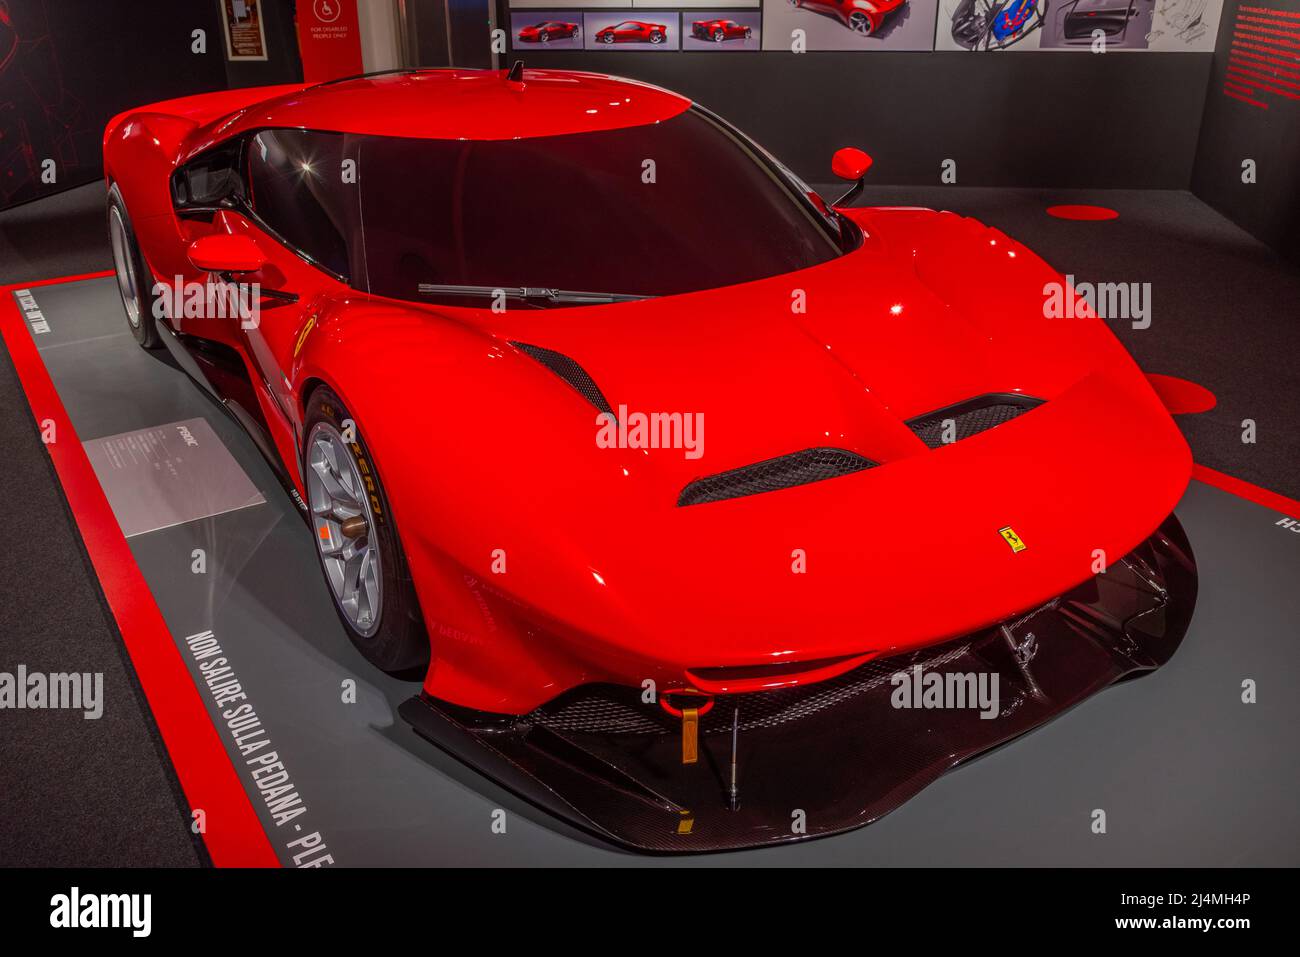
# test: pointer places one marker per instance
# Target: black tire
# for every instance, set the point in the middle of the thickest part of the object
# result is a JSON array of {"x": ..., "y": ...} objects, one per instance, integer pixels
[
  {"x": 134, "y": 281},
  {"x": 400, "y": 645}
]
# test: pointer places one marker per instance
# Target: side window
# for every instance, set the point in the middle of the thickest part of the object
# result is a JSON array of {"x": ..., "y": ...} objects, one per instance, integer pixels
[
  {"x": 210, "y": 181},
  {"x": 296, "y": 188}
]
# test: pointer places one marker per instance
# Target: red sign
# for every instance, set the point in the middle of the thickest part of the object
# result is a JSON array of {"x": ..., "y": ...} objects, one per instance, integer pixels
[{"x": 328, "y": 39}]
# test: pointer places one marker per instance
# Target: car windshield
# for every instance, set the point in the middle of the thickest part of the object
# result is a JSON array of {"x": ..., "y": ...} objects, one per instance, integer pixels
[{"x": 677, "y": 206}]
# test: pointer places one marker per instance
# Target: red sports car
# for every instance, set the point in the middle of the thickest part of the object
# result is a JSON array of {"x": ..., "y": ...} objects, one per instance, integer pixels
[
  {"x": 860, "y": 16},
  {"x": 633, "y": 31},
  {"x": 547, "y": 31},
  {"x": 490, "y": 403},
  {"x": 720, "y": 30}
]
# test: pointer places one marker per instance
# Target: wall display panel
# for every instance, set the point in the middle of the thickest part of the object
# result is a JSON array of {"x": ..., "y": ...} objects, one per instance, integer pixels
[
  {"x": 730, "y": 30},
  {"x": 645, "y": 31},
  {"x": 1078, "y": 25},
  {"x": 1185, "y": 26},
  {"x": 990, "y": 25},
  {"x": 1088, "y": 24},
  {"x": 546, "y": 29},
  {"x": 847, "y": 25}
]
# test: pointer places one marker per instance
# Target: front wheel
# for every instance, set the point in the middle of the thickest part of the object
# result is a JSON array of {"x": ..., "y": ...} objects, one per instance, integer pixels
[
  {"x": 357, "y": 542},
  {"x": 132, "y": 274}
]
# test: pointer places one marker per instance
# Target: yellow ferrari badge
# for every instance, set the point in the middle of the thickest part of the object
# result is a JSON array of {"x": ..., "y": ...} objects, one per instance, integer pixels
[{"x": 1015, "y": 541}]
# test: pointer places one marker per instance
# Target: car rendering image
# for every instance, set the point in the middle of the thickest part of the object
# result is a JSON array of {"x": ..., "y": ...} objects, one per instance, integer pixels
[
  {"x": 633, "y": 31},
  {"x": 864, "y": 17},
  {"x": 1111, "y": 17},
  {"x": 548, "y": 30},
  {"x": 996, "y": 24},
  {"x": 720, "y": 30},
  {"x": 663, "y": 501}
]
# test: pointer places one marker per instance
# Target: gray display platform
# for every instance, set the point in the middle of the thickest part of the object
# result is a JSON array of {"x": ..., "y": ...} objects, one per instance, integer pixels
[{"x": 1187, "y": 773}]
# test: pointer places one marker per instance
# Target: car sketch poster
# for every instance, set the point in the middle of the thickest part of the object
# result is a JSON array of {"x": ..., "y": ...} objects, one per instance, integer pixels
[
  {"x": 245, "y": 35},
  {"x": 843, "y": 25},
  {"x": 1088, "y": 26}
]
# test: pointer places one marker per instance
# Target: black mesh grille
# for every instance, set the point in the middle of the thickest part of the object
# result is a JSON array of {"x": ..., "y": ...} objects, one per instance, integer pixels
[
  {"x": 970, "y": 417},
  {"x": 570, "y": 372},
  {"x": 797, "y": 468},
  {"x": 613, "y": 709}
]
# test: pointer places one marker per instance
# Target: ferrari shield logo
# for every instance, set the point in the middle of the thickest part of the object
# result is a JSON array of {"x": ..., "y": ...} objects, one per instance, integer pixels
[{"x": 1012, "y": 539}]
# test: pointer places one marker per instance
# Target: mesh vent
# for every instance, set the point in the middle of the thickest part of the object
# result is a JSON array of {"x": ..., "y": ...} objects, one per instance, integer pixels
[
  {"x": 613, "y": 709},
  {"x": 570, "y": 372},
  {"x": 970, "y": 417},
  {"x": 797, "y": 468}
]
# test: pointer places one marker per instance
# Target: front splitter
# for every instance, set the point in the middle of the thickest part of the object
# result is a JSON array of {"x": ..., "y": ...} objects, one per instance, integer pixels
[{"x": 837, "y": 755}]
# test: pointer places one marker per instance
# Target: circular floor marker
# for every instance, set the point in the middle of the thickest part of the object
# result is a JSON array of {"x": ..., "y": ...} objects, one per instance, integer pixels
[
  {"x": 1180, "y": 396},
  {"x": 1085, "y": 213}
]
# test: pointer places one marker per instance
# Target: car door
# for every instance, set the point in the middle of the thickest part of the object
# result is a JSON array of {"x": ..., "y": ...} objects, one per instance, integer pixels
[{"x": 301, "y": 208}]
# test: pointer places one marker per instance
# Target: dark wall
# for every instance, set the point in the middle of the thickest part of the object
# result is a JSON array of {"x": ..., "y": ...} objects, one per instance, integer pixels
[
  {"x": 1234, "y": 130},
  {"x": 1024, "y": 119},
  {"x": 68, "y": 66}
]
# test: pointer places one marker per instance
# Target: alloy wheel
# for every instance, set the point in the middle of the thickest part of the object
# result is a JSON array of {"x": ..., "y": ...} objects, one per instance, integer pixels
[{"x": 344, "y": 524}]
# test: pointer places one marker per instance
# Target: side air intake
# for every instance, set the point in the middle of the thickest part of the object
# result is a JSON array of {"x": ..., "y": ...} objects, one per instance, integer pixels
[
  {"x": 570, "y": 372},
  {"x": 970, "y": 417},
  {"x": 787, "y": 471}
]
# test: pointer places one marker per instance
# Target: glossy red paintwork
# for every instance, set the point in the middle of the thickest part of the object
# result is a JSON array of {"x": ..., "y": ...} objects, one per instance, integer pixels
[
  {"x": 850, "y": 163},
  {"x": 223, "y": 252},
  {"x": 481, "y": 448}
]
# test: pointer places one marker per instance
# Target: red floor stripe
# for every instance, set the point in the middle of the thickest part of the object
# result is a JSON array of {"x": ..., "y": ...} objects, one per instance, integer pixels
[
  {"x": 235, "y": 837},
  {"x": 1243, "y": 489}
]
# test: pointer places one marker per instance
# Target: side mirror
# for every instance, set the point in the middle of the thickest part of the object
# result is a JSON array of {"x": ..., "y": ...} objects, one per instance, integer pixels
[
  {"x": 851, "y": 164},
  {"x": 225, "y": 253}
]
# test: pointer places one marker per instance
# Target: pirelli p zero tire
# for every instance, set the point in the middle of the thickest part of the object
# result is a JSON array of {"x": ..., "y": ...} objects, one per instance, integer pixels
[
  {"x": 134, "y": 281},
  {"x": 357, "y": 543}
]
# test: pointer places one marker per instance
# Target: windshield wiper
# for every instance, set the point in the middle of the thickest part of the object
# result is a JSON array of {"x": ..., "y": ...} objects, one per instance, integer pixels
[{"x": 526, "y": 293}]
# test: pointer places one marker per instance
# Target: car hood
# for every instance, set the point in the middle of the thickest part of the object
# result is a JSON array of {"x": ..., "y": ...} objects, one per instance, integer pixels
[{"x": 930, "y": 311}]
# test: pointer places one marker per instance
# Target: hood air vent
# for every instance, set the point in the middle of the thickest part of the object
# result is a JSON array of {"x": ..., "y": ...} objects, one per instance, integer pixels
[
  {"x": 787, "y": 471},
  {"x": 971, "y": 417},
  {"x": 570, "y": 372}
]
